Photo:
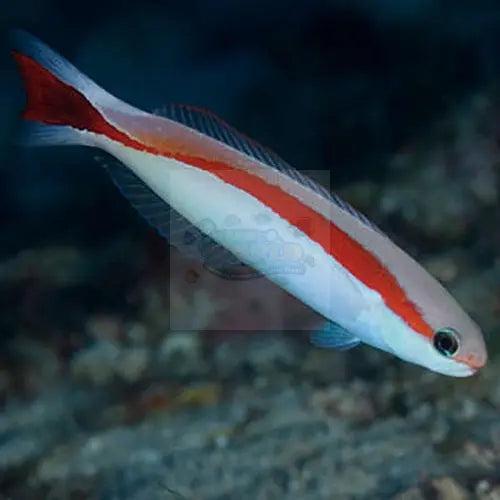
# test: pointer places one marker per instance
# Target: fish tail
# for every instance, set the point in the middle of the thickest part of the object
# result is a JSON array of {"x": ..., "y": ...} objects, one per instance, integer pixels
[{"x": 62, "y": 103}]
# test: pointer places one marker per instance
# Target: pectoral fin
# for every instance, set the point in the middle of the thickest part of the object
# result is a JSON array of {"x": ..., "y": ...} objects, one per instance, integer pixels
[{"x": 333, "y": 336}]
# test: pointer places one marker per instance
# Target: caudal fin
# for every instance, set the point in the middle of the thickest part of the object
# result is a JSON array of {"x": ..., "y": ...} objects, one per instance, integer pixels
[{"x": 62, "y": 103}]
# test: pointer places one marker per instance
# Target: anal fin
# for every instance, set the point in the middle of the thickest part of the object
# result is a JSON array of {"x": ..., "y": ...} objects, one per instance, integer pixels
[{"x": 175, "y": 228}]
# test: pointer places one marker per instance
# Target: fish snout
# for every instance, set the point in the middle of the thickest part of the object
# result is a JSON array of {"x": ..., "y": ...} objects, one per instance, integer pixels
[{"x": 474, "y": 360}]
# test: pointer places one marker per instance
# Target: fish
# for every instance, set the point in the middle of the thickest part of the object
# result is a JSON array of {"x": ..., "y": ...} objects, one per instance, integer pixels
[{"x": 197, "y": 179}]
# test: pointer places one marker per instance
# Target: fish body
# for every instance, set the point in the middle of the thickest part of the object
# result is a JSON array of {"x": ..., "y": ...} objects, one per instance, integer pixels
[{"x": 246, "y": 199}]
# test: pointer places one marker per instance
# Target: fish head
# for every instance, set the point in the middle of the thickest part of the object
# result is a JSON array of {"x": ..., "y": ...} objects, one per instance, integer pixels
[{"x": 451, "y": 342}]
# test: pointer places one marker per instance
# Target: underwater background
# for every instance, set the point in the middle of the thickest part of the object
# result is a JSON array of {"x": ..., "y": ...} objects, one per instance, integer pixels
[{"x": 398, "y": 102}]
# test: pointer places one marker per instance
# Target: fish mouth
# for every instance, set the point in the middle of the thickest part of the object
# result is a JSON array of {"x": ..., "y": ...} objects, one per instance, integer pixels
[
  {"x": 465, "y": 365},
  {"x": 460, "y": 369},
  {"x": 474, "y": 361},
  {"x": 453, "y": 369},
  {"x": 463, "y": 371}
]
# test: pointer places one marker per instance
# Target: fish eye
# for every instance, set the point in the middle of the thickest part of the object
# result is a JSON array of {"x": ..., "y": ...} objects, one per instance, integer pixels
[{"x": 446, "y": 342}]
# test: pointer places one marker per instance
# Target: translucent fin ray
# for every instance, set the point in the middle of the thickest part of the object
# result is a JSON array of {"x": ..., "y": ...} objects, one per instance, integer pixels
[
  {"x": 333, "y": 336},
  {"x": 39, "y": 134}
]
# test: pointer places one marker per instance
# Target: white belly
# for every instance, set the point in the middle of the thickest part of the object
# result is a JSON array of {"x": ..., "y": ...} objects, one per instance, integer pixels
[{"x": 256, "y": 234}]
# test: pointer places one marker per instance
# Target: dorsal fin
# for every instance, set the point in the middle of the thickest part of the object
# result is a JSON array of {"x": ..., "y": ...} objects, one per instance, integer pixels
[{"x": 210, "y": 124}]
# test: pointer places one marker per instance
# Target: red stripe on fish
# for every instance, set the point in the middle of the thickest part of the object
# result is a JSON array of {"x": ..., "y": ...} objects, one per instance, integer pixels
[
  {"x": 353, "y": 256},
  {"x": 54, "y": 102}
]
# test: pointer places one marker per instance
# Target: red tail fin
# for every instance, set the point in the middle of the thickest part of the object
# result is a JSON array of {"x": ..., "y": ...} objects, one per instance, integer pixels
[
  {"x": 53, "y": 102},
  {"x": 63, "y": 104}
]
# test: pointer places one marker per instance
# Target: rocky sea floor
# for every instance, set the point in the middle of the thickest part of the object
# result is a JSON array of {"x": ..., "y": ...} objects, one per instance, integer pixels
[
  {"x": 101, "y": 400},
  {"x": 290, "y": 423},
  {"x": 284, "y": 434}
]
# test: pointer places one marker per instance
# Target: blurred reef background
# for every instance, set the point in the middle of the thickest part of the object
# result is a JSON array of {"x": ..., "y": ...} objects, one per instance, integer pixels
[{"x": 398, "y": 101}]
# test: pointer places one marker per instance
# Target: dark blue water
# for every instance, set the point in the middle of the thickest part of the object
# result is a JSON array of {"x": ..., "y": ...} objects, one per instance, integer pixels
[{"x": 396, "y": 103}]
